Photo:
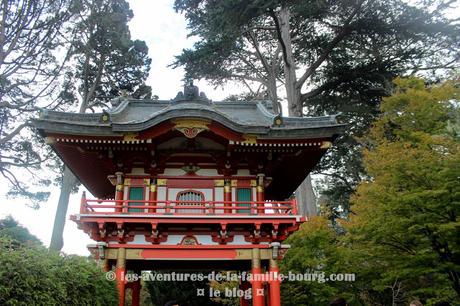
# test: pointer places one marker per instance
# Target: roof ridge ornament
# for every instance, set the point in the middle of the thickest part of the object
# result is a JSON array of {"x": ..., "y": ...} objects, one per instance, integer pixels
[
  {"x": 123, "y": 95},
  {"x": 191, "y": 93}
]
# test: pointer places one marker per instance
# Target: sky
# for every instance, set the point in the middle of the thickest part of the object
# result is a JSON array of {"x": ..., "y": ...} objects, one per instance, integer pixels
[{"x": 165, "y": 33}]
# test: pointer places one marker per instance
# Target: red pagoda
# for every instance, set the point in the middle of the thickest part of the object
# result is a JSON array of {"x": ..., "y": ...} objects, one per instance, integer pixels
[{"x": 189, "y": 182}]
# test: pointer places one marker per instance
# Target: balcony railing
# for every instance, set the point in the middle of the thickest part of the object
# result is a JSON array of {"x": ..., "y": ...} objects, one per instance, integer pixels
[{"x": 217, "y": 208}]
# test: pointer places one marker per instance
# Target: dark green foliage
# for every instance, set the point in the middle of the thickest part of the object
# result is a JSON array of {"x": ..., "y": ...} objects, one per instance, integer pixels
[
  {"x": 36, "y": 276},
  {"x": 108, "y": 61},
  {"x": 184, "y": 293},
  {"x": 402, "y": 240},
  {"x": 33, "y": 275},
  {"x": 315, "y": 248},
  {"x": 345, "y": 54},
  {"x": 10, "y": 230}
]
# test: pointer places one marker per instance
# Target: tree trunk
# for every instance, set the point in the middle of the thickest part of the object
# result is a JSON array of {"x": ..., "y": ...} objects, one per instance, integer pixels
[
  {"x": 68, "y": 182},
  {"x": 271, "y": 86},
  {"x": 306, "y": 198}
]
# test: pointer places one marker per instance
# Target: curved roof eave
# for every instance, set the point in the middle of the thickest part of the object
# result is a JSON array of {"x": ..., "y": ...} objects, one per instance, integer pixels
[{"x": 205, "y": 114}]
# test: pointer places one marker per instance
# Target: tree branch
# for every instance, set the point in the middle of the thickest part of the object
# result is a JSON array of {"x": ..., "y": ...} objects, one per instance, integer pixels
[{"x": 337, "y": 39}]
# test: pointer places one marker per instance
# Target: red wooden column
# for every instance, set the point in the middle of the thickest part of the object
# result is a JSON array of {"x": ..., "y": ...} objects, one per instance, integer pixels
[
  {"x": 153, "y": 195},
  {"x": 120, "y": 273},
  {"x": 258, "y": 298},
  {"x": 119, "y": 191},
  {"x": 83, "y": 208},
  {"x": 227, "y": 195},
  {"x": 274, "y": 282},
  {"x": 243, "y": 287},
  {"x": 260, "y": 192},
  {"x": 136, "y": 293},
  {"x": 104, "y": 263}
]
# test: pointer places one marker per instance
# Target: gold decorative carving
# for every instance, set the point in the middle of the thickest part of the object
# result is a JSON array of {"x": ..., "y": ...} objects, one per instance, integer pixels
[
  {"x": 153, "y": 188},
  {"x": 130, "y": 137},
  {"x": 162, "y": 182},
  {"x": 234, "y": 183},
  {"x": 326, "y": 145},
  {"x": 127, "y": 181},
  {"x": 189, "y": 240},
  {"x": 191, "y": 168},
  {"x": 146, "y": 182},
  {"x": 112, "y": 179},
  {"x": 50, "y": 140},
  {"x": 105, "y": 118},
  {"x": 191, "y": 127},
  {"x": 219, "y": 183},
  {"x": 253, "y": 183},
  {"x": 248, "y": 138}
]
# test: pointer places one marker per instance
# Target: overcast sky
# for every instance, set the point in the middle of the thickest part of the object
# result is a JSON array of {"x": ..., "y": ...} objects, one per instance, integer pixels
[{"x": 166, "y": 35}]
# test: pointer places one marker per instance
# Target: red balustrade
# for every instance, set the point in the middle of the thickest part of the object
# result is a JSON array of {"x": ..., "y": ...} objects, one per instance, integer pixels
[{"x": 167, "y": 207}]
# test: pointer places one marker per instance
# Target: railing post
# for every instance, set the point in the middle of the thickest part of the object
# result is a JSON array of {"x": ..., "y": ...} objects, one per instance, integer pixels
[
  {"x": 119, "y": 192},
  {"x": 153, "y": 196},
  {"x": 168, "y": 208},
  {"x": 294, "y": 206},
  {"x": 124, "y": 206},
  {"x": 83, "y": 203},
  {"x": 260, "y": 196},
  {"x": 227, "y": 195}
]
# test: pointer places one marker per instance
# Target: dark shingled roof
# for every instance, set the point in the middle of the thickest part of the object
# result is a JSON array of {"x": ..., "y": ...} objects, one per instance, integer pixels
[{"x": 133, "y": 115}]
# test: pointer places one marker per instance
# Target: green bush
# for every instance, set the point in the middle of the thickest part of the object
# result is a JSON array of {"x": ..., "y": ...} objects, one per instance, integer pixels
[
  {"x": 30, "y": 274},
  {"x": 36, "y": 276}
]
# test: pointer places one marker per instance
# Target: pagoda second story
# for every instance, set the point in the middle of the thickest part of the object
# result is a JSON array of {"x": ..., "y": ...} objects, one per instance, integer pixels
[{"x": 163, "y": 172}]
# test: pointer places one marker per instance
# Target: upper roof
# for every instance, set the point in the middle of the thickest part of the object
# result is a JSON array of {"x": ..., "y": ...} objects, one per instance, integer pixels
[
  {"x": 129, "y": 115},
  {"x": 157, "y": 134}
]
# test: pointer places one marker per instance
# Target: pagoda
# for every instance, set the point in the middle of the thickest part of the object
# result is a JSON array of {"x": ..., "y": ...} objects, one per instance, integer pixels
[{"x": 189, "y": 183}]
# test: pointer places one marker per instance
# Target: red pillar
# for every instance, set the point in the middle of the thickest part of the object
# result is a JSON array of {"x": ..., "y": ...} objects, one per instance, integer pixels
[
  {"x": 243, "y": 287},
  {"x": 260, "y": 192},
  {"x": 227, "y": 195},
  {"x": 119, "y": 191},
  {"x": 275, "y": 293},
  {"x": 83, "y": 208},
  {"x": 258, "y": 298},
  {"x": 121, "y": 275},
  {"x": 104, "y": 263},
  {"x": 153, "y": 196},
  {"x": 136, "y": 293}
]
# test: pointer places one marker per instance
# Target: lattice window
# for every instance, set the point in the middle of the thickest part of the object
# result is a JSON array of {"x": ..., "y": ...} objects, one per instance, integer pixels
[{"x": 188, "y": 198}]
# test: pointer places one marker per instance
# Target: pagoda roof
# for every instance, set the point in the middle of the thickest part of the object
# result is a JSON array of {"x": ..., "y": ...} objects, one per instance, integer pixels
[
  {"x": 128, "y": 133},
  {"x": 134, "y": 115}
]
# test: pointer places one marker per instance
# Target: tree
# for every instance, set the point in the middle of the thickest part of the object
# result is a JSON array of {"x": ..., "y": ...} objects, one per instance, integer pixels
[
  {"x": 31, "y": 33},
  {"x": 32, "y": 275},
  {"x": 11, "y": 230},
  {"x": 330, "y": 56},
  {"x": 406, "y": 216},
  {"x": 106, "y": 63},
  {"x": 315, "y": 249},
  {"x": 36, "y": 276}
]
